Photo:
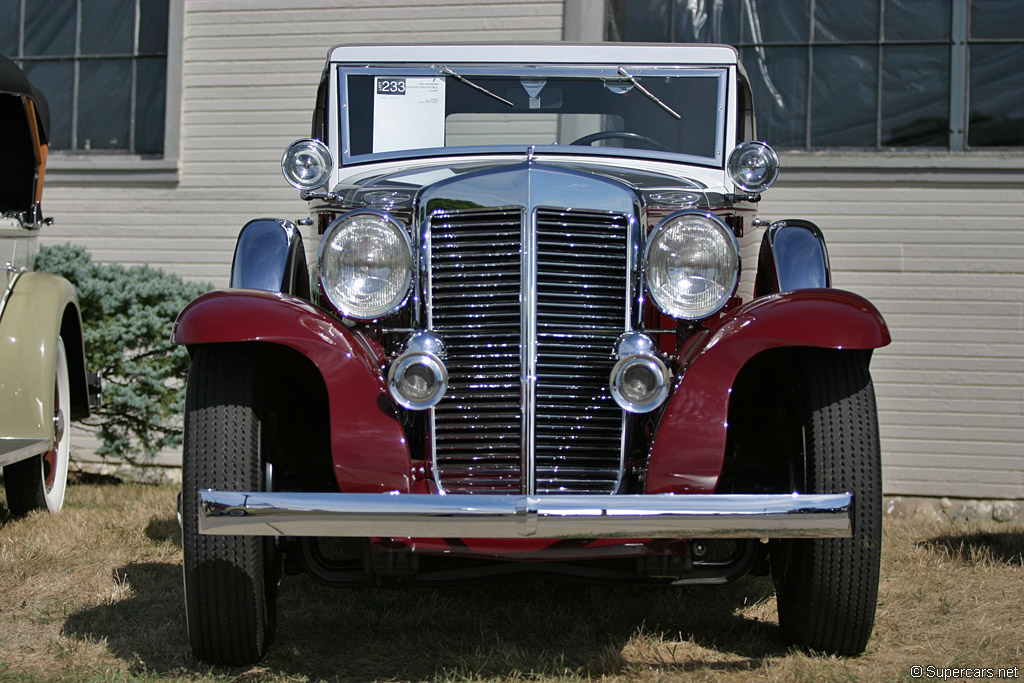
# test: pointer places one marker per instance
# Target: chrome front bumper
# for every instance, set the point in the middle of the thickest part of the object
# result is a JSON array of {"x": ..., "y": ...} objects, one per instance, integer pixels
[{"x": 547, "y": 516}]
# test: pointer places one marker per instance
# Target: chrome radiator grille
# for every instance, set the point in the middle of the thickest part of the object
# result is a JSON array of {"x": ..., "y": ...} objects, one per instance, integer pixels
[{"x": 495, "y": 431}]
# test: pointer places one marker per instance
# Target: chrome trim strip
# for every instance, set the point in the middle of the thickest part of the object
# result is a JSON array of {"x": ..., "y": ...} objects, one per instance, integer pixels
[
  {"x": 14, "y": 449},
  {"x": 528, "y": 349},
  {"x": 423, "y": 309},
  {"x": 255, "y": 513},
  {"x": 18, "y": 272},
  {"x": 634, "y": 317}
]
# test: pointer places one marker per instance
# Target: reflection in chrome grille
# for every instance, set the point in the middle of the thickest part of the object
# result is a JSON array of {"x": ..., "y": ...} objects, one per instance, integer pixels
[
  {"x": 581, "y": 310},
  {"x": 475, "y": 288},
  {"x": 476, "y": 299}
]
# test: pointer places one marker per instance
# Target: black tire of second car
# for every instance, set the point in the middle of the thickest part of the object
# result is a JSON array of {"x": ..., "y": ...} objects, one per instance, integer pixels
[
  {"x": 827, "y": 588},
  {"x": 230, "y": 591}
]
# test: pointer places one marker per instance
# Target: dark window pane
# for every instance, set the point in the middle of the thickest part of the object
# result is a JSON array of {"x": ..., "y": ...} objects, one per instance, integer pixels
[
  {"x": 55, "y": 80},
  {"x": 917, "y": 19},
  {"x": 779, "y": 82},
  {"x": 149, "y": 105},
  {"x": 108, "y": 27},
  {"x": 10, "y": 11},
  {"x": 640, "y": 21},
  {"x": 844, "y": 86},
  {"x": 104, "y": 104},
  {"x": 997, "y": 19},
  {"x": 50, "y": 27},
  {"x": 95, "y": 105},
  {"x": 779, "y": 22},
  {"x": 850, "y": 20},
  {"x": 996, "y": 96},
  {"x": 712, "y": 22},
  {"x": 915, "y": 96},
  {"x": 153, "y": 26}
]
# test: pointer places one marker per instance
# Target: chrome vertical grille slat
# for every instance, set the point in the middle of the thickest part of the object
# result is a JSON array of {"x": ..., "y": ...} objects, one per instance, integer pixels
[
  {"x": 475, "y": 283},
  {"x": 575, "y": 251},
  {"x": 476, "y": 301}
]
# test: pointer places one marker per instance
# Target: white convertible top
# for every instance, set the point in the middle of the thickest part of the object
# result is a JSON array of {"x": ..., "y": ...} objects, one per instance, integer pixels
[{"x": 539, "y": 53}]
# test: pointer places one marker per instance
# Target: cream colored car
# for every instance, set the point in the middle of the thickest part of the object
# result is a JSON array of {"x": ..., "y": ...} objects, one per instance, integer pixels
[{"x": 43, "y": 382}]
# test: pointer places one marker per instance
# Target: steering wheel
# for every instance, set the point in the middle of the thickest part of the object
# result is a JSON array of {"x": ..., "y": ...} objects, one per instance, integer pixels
[{"x": 620, "y": 135}]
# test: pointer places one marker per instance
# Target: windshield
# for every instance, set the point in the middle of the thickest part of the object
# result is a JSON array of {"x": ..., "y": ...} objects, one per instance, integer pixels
[{"x": 623, "y": 110}]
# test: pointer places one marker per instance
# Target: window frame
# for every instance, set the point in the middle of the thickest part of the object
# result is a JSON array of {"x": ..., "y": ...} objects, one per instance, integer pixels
[
  {"x": 959, "y": 44},
  {"x": 102, "y": 167}
]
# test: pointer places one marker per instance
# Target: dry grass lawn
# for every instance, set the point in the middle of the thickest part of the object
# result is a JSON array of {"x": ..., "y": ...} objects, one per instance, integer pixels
[{"x": 94, "y": 594}]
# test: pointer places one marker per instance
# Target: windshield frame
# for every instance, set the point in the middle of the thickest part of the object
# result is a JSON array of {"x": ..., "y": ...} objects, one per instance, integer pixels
[{"x": 470, "y": 70}]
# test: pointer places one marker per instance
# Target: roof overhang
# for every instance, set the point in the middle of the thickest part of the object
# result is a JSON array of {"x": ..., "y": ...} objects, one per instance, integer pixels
[{"x": 539, "y": 53}]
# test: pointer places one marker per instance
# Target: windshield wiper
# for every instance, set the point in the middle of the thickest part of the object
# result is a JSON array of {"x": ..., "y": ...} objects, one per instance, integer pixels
[
  {"x": 651, "y": 96},
  {"x": 462, "y": 79}
]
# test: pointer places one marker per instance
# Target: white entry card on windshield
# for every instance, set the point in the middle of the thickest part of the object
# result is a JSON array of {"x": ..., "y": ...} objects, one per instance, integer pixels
[{"x": 408, "y": 113}]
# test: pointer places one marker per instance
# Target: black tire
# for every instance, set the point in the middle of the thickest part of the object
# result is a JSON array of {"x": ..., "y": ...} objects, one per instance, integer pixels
[
  {"x": 827, "y": 588},
  {"x": 230, "y": 581},
  {"x": 39, "y": 482}
]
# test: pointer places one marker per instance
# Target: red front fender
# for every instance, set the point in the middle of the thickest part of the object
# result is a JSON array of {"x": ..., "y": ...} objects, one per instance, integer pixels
[
  {"x": 368, "y": 443},
  {"x": 689, "y": 447}
]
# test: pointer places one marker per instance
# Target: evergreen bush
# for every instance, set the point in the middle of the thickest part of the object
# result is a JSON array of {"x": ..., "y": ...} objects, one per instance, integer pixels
[{"x": 127, "y": 317}]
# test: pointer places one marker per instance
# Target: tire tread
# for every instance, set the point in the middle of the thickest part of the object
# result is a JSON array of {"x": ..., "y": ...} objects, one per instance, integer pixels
[
  {"x": 225, "y": 596},
  {"x": 827, "y": 600}
]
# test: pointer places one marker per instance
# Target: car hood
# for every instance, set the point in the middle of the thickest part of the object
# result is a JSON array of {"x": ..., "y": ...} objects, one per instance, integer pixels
[{"x": 396, "y": 189}]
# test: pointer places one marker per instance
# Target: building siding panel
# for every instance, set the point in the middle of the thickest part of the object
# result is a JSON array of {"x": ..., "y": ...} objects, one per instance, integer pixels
[{"x": 945, "y": 266}]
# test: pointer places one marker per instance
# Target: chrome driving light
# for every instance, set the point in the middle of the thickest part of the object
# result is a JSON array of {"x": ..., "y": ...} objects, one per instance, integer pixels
[
  {"x": 639, "y": 380},
  {"x": 364, "y": 265},
  {"x": 639, "y": 383},
  {"x": 692, "y": 264},
  {"x": 753, "y": 166},
  {"x": 307, "y": 164},
  {"x": 426, "y": 341},
  {"x": 417, "y": 380}
]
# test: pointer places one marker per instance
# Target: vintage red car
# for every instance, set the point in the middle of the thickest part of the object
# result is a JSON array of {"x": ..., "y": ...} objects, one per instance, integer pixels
[{"x": 528, "y": 346}]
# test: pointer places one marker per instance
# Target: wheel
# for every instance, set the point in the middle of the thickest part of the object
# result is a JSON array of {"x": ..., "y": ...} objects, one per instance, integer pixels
[
  {"x": 620, "y": 135},
  {"x": 230, "y": 581},
  {"x": 827, "y": 588},
  {"x": 39, "y": 483}
]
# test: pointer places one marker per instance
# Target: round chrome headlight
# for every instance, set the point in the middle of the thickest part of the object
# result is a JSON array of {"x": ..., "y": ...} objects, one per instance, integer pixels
[
  {"x": 692, "y": 265},
  {"x": 753, "y": 166},
  {"x": 307, "y": 164},
  {"x": 365, "y": 265}
]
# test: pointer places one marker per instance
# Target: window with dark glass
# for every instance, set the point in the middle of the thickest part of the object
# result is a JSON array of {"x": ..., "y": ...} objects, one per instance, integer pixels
[
  {"x": 102, "y": 65},
  {"x": 876, "y": 74}
]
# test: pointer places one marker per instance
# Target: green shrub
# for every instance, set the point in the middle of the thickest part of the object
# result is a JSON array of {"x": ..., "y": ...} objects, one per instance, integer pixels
[{"x": 127, "y": 318}]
